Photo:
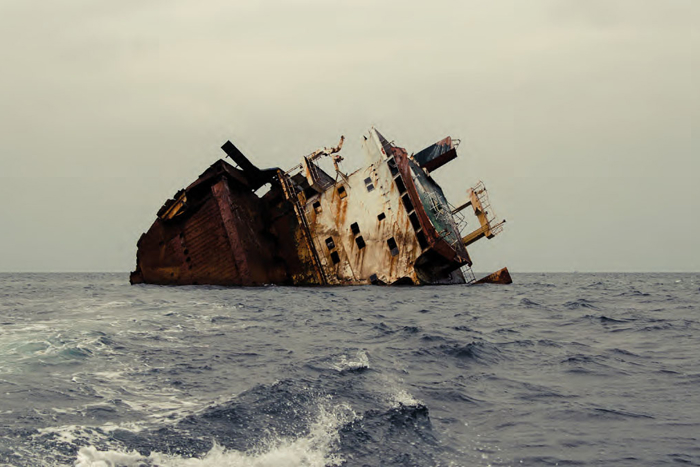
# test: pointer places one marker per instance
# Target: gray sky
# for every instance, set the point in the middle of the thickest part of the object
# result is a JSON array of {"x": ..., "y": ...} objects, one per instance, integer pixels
[{"x": 578, "y": 115}]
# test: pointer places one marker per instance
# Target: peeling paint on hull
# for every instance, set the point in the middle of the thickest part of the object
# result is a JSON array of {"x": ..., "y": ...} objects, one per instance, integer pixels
[{"x": 387, "y": 223}]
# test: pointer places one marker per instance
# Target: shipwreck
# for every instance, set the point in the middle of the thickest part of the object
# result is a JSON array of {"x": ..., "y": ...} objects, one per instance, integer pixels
[{"x": 386, "y": 223}]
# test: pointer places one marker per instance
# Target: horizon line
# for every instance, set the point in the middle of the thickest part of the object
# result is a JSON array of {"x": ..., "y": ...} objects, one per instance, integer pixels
[{"x": 476, "y": 272}]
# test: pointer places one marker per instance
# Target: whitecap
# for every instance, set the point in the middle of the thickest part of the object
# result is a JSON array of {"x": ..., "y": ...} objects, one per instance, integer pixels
[
  {"x": 359, "y": 362},
  {"x": 317, "y": 449},
  {"x": 400, "y": 397}
]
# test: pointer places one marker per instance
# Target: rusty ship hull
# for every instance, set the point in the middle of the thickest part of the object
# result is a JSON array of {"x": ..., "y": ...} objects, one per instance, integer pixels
[{"x": 386, "y": 223}]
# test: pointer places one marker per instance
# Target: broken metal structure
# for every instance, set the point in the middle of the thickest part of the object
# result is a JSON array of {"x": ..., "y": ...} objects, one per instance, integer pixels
[{"x": 387, "y": 223}]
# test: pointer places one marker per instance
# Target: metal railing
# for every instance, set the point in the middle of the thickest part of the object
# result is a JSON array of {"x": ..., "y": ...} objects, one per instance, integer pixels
[{"x": 483, "y": 197}]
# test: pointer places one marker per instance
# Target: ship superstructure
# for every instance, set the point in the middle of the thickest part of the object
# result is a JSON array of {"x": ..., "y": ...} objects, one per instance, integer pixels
[{"x": 386, "y": 223}]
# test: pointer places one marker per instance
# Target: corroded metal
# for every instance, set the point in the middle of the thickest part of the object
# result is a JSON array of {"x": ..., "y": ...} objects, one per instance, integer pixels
[
  {"x": 387, "y": 223},
  {"x": 502, "y": 276},
  {"x": 437, "y": 155}
]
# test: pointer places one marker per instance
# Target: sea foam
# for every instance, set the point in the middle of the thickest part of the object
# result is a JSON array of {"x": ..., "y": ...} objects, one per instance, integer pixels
[{"x": 316, "y": 449}]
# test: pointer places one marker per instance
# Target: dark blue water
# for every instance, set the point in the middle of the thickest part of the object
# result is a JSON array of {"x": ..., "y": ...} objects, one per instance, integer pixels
[{"x": 556, "y": 369}]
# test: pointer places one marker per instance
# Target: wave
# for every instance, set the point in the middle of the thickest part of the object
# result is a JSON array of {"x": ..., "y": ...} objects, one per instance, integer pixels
[
  {"x": 527, "y": 303},
  {"x": 580, "y": 303},
  {"x": 400, "y": 436},
  {"x": 400, "y": 398},
  {"x": 316, "y": 449},
  {"x": 350, "y": 364},
  {"x": 271, "y": 426},
  {"x": 481, "y": 352},
  {"x": 604, "y": 319},
  {"x": 633, "y": 293}
]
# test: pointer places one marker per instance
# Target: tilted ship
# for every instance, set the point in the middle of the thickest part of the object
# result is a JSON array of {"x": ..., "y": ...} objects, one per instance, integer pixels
[{"x": 386, "y": 223}]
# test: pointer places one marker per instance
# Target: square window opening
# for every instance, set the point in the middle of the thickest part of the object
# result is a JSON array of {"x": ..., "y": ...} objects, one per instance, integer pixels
[
  {"x": 414, "y": 221},
  {"x": 360, "y": 242},
  {"x": 381, "y": 217},
  {"x": 422, "y": 241},
  {"x": 393, "y": 247},
  {"x": 407, "y": 203},
  {"x": 309, "y": 192},
  {"x": 335, "y": 257},
  {"x": 342, "y": 193},
  {"x": 400, "y": 185},
  {"x": 330, "y": 243},
  {"x": 355, "y": 228}
]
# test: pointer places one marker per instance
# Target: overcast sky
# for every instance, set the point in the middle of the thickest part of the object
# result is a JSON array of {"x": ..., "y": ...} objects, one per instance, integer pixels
[{"x": 580, "y": 116}]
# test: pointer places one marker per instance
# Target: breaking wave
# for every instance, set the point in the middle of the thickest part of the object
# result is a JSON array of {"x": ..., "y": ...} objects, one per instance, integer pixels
[
  {"x": 360, "y": 361},
  {"x": 316, "y": 449}
]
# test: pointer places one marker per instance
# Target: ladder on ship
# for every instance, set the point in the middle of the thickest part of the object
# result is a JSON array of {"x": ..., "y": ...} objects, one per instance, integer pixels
[
  {"x": 291, "y": 195},
  {"x": 468, "y": 273}
]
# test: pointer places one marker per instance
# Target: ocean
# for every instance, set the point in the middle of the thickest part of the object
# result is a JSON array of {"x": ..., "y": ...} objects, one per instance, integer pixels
[{"x": 555, "y": 369}]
